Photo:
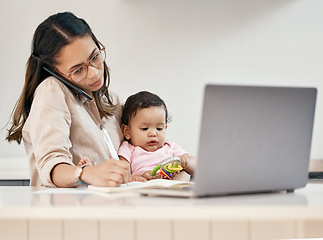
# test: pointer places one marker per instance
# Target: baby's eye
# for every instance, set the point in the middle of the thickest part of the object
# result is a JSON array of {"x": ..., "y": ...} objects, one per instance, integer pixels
[
  {"x": 160, "y": 129},
  {"x": 144, "y": 129}
]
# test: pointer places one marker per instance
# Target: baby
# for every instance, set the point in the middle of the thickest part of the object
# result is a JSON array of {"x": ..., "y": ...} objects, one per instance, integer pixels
[{"x": 144, "y": 125}]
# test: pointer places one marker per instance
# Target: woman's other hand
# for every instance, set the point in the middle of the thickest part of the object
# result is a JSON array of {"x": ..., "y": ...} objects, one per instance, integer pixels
[{"x": 111, "y": 173}]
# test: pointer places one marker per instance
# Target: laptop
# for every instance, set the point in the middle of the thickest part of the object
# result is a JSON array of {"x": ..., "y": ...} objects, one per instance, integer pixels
[{"x": 253, "y": 139}]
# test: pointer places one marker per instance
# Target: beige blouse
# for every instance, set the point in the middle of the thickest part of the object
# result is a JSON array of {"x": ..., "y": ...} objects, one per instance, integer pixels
[{"x": 62, "y": 129}]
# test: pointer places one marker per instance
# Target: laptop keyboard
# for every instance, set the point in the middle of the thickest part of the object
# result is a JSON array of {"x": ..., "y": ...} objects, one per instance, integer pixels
[{"x": 315, "y": 175}]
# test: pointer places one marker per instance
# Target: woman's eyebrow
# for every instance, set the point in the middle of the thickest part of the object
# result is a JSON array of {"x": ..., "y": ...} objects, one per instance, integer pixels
[
  {"x": 92, "y": 53},
  {"x": 80, "y": 64}
]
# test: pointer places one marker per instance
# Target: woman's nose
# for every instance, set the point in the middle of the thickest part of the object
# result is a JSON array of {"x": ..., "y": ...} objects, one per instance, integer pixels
[{"x": 92, "y": 71}]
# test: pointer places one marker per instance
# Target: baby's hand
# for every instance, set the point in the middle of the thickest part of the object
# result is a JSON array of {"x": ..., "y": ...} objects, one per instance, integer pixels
[
  {"x": 184, "y": 161},
  {"x": 188, "y": 163},
  {"x": 147, "y": 175},
  {"x": 84, "y": 160},
  {"x": 137, "y": 178}
]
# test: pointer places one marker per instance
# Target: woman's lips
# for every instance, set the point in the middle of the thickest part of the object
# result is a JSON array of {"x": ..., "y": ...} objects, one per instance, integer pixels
[{"x": 97, "y": 83}]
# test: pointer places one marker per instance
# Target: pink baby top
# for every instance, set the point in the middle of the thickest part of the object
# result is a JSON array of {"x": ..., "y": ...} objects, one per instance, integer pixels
[{"x": 141, "y": 161}]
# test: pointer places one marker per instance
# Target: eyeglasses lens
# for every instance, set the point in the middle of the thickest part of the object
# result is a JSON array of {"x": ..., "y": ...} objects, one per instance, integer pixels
[{"x": 96, "y": 61}]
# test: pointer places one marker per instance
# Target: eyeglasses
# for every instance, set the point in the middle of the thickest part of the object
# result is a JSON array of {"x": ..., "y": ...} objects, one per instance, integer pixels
[{"x": 96, "y": 61}]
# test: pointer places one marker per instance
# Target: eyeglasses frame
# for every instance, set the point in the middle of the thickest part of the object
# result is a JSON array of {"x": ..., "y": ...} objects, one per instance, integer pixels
[{"x": 86, "y": 65}]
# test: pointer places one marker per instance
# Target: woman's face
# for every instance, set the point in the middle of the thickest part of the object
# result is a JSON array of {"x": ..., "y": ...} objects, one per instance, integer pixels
[{"x": 77, "y": 54}]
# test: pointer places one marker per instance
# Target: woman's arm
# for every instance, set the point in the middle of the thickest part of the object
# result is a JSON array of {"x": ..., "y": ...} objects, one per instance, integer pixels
[
  {"x": 62, "y": 175},
  {"x": 111, "y": 173}
]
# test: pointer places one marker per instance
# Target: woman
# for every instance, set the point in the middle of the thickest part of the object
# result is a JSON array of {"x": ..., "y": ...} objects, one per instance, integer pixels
[{"x": 60, "y": 126}]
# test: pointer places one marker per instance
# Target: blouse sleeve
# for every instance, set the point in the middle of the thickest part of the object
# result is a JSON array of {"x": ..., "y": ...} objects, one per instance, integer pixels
[{"x": 49, "y": 129}]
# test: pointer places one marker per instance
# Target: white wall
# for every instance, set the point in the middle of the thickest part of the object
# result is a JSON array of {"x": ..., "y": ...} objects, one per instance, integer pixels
[{"x": 173, "y": 47}]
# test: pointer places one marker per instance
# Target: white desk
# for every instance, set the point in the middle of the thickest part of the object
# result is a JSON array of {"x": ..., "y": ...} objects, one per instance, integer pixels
[{"x": 26, "y": 214}]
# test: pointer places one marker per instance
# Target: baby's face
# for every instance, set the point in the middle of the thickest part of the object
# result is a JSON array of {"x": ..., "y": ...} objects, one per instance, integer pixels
[{"x": 147, "y": 129}]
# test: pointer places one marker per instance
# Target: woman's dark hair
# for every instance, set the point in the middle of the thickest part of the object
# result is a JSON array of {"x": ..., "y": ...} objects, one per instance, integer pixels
[
  {"x": 139, "y": 101},
  {"x": 50, "y": 36}
]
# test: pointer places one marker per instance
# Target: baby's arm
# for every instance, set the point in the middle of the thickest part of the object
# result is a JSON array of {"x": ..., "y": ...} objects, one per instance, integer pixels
[
  {"x": 132, "y": 178},
  {"x": 188, "y": 163},
  {"x": 123, "y": 159}
]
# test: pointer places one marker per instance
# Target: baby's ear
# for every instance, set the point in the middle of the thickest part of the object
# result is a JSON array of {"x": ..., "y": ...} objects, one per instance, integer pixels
[{"x": 126, "y": 131}]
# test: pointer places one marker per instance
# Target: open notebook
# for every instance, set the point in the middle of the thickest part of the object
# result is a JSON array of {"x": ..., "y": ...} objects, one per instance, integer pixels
[
  {"x": 152, "y": 184},
  {"x": 252, "y": 139}
]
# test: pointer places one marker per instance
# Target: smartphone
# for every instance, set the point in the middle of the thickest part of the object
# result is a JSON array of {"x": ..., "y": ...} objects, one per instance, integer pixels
[{"x": 67, "y": 83}]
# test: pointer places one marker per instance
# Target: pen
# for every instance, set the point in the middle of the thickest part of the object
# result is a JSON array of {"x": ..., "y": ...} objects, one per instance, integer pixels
[
  {"x": 80, "y": 91},
  {"x": 108, "y": 142}
]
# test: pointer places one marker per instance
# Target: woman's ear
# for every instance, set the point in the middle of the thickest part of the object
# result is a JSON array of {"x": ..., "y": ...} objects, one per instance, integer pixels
[{"x": 126, "y": 131}]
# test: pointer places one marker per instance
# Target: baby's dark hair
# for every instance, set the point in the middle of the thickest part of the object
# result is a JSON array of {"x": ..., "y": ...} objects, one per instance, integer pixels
[{"x": 140, "y": 100}]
